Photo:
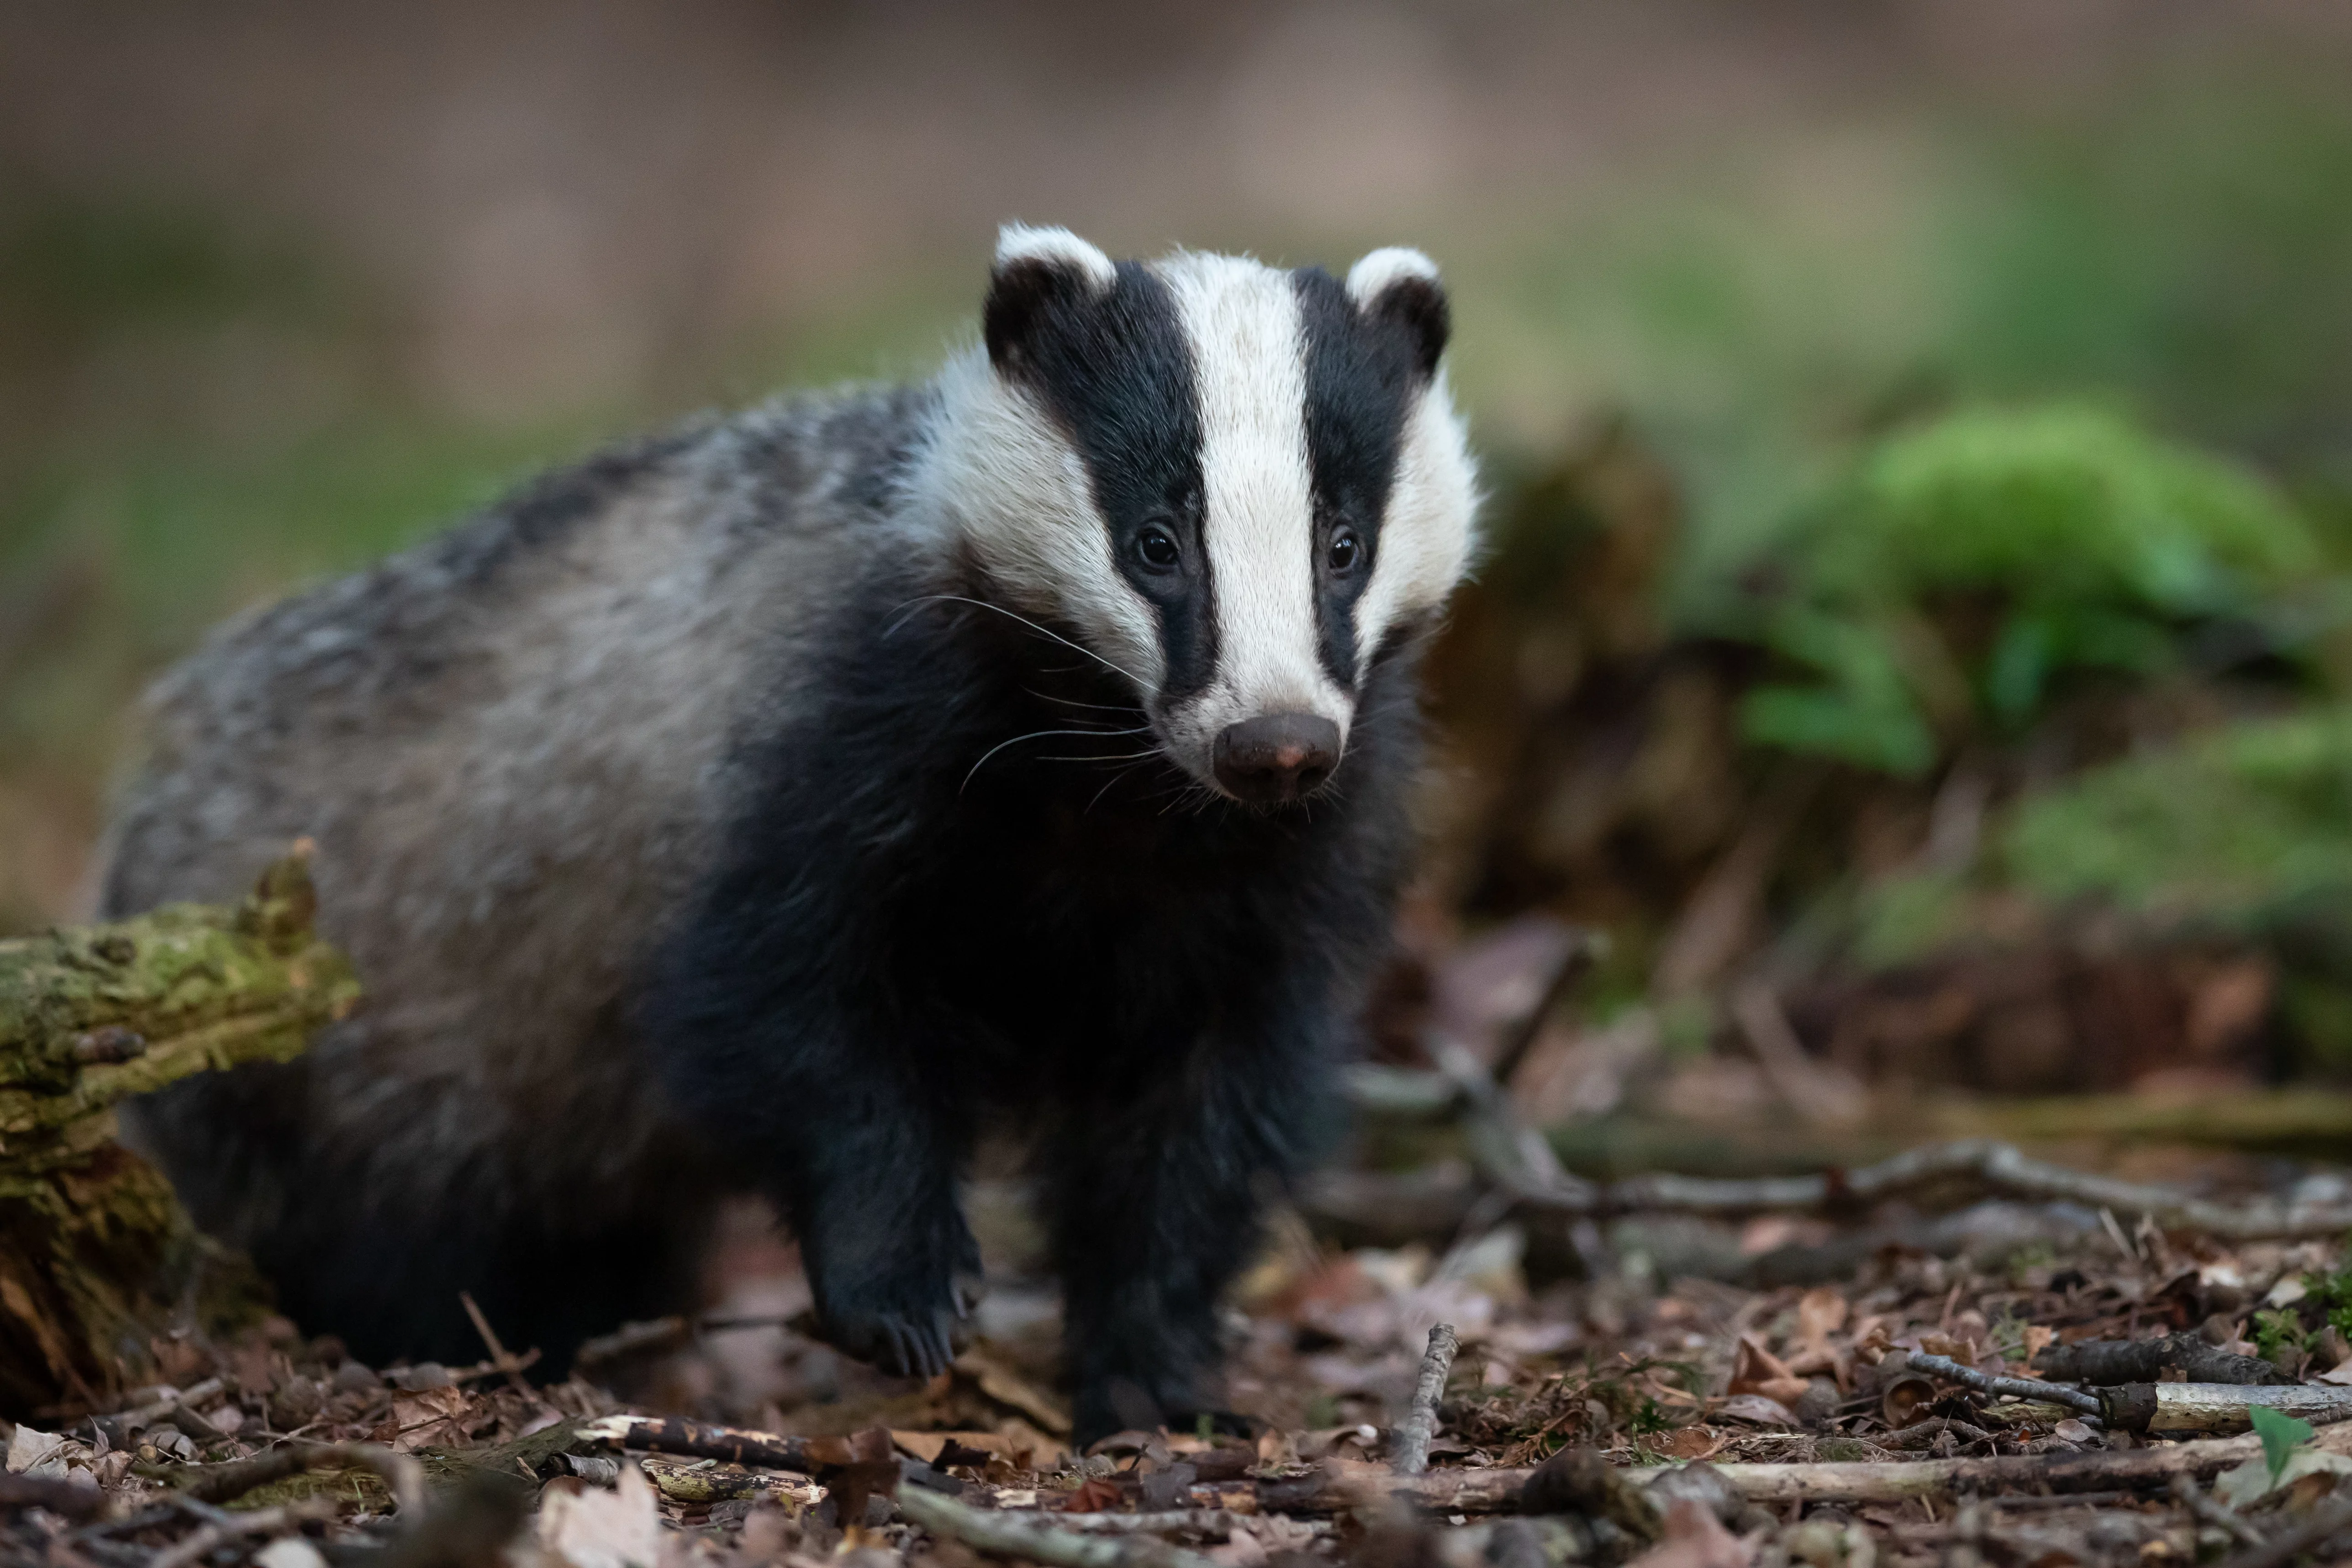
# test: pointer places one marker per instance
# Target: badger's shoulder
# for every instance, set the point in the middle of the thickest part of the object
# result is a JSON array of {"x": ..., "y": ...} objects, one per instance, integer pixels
[
  {"x": 681, "y": 511},
  {"x": 594, "y": 637}
]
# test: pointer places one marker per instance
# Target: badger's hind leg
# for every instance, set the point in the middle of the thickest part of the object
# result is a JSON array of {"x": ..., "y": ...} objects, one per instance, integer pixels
[
  {"x": 380, "y": 1263},
  {"x": 388, "y": 1279}
]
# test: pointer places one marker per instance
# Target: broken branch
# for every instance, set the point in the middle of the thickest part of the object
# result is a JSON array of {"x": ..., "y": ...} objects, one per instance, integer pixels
[
  {"x": 1951, "y": 1371},
  {"x": 1010, "y": 1533},
  {"x": 1420, "y": 1424}
]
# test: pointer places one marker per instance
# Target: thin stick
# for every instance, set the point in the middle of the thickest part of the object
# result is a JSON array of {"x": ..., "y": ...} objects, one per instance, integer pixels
[
  {"x": 182, "y": 1401},
  {"x": 499, "y": 1354},
  {"x": 2195, "y": 1498},
  {"x": 1419, "y": 1423},
  {"x": 1945, "y": 1367},
  {"x": 199, "y": 1542},
  {"x": 1209, "y": 1523},
  {"x": 1583, "y": 948},
  {"x": 1343, "y": 1485},
  {"x": 1013, "y": 1533},
  {"x": 702, "y": 1440}
]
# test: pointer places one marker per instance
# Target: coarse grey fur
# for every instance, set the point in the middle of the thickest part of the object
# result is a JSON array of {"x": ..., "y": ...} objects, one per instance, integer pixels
[{"x": 513, "y": 746}]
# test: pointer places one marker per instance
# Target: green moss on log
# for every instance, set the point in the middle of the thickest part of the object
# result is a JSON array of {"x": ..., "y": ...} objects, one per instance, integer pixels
[{"x": 97, "y": 1257}]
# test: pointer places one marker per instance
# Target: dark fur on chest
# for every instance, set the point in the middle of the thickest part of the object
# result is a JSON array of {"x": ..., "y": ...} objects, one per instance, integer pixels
[{"x": 917, "y": 921}]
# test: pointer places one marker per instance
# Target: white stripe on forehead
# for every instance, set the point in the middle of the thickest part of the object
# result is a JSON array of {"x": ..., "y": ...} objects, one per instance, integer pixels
[{"x": 1250, "y": 381}]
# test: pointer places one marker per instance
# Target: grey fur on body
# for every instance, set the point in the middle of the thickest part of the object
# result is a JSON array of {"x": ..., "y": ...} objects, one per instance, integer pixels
[{"x": 512, "y": 745}]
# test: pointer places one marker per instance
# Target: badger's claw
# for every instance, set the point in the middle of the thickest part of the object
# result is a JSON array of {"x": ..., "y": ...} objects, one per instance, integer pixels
[{"x": 903, "y": 1345}]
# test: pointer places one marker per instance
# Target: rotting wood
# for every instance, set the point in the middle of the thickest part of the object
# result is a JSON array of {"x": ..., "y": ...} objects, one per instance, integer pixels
[{"x": 96, "y": 1254}]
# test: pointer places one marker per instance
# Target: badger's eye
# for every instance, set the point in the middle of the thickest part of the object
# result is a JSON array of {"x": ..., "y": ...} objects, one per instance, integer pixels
[
  {"x": 1158, "y": 548},
  {"x": 1344, "y": 550}
]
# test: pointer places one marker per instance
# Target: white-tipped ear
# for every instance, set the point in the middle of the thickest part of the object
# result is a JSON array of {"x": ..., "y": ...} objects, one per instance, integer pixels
[
  {"x": 1018, "y": 242},
  {"x": 1368, "y": 279}
]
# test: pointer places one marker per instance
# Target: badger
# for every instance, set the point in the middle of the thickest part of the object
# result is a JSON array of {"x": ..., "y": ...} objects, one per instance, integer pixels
[{"x": 782, "y": 803}]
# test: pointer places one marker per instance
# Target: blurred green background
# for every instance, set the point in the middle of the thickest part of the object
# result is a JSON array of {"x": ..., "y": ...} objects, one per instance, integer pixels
[{"x": 1921, "y": 433}]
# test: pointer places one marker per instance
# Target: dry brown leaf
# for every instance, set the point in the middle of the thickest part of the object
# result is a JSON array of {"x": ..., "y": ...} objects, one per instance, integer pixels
[
  {"x": 1695, "y": 1538},
  {"x": 1757, "y": 1410},
  {"x": 1758, "y": 1371},
  {"x": 1692, "y": 1442},
  {"x": 1006, "y": 1386},
  {"x": 591, "y": 1528},
  {"x": 429, "y": 1418}
]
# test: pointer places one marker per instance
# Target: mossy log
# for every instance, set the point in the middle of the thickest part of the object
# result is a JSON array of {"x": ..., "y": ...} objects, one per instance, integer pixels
[{"x": 97, "y": 1257}]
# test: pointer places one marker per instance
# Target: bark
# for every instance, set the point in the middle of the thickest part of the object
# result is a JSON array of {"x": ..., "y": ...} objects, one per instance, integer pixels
[
  {"x": 97, "y": 1257},
  {"x": 2108, "y": 1363},
  {"x": 1420, "y": 1424}
]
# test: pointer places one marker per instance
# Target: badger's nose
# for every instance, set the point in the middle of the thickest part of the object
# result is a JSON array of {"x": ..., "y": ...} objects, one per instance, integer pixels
[{"x": 1277, "y": 756}]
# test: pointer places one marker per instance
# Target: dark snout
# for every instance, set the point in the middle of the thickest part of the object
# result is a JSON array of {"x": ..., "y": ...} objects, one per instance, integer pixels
[{"x": 1277, "y": 756}]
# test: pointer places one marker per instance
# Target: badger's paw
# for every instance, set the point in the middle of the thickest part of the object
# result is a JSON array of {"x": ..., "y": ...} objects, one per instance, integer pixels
[{"x": 905, "y": 1344}]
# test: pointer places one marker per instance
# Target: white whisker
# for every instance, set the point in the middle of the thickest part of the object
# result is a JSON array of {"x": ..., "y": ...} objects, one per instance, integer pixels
[
  {"x": 1135, "y": 708},
  {"x": 1040, "y": 631},
  {"x": 1036, "y": 735}
]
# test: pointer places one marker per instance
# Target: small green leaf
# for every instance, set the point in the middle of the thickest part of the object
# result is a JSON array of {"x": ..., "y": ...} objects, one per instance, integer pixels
[{"x": 2281, "y": 1435}]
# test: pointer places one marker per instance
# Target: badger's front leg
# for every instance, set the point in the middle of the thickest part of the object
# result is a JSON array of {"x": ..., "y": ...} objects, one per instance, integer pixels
[
  {"x": 1157, "y": 1203},
  {"x": 860, "y": 1148}
]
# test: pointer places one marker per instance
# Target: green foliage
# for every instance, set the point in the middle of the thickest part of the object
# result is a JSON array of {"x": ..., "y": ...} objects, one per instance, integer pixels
[
  {"x": 2281, "y": 1435},
  {"x": 2277, "y": 1331},
  {"x": 1964, "y": 566},
  {"x": 2331, "y": 1294},
  {"x": 2243, "y": 823}
]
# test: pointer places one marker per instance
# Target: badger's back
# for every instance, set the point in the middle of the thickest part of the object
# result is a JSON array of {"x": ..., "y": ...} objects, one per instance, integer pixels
[{"x": 513, "y": 747}]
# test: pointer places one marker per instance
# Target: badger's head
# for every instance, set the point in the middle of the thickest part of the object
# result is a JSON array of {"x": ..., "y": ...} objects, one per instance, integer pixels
[{"x": 1236, "y": 484}]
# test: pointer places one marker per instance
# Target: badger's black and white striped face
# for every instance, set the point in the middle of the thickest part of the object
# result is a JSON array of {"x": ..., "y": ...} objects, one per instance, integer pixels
[{"x": 1235, "y": 482}]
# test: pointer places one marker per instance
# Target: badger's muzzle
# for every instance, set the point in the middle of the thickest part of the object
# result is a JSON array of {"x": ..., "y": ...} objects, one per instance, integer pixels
[{"x": 1276, "y": 757}]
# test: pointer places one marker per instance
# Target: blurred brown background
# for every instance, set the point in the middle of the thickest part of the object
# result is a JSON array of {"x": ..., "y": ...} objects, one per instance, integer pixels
[{"x": 284, "y": 286}]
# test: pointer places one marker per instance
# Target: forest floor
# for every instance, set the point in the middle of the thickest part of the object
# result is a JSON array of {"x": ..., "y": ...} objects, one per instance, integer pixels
[{"x": 1734, "y": 1423}]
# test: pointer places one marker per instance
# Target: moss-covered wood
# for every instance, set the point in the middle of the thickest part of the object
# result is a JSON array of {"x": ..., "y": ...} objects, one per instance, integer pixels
[{"x": 97, "y": 1257}]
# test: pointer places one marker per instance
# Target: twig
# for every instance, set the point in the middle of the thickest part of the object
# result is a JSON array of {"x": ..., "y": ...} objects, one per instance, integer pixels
[
  {"x": 1945, "y": 1367},
  {"x": 1820, "y": 1092},
  {"x": 63, "y": 1498},
  {"x": 2323, "y": 1525},
  {"x": 701, "y": 1440},
  {"x": 1015, "y": 1533},
  {"x": 199, "y": 1542},
  {"x": 1583, "y": 948},
  {"x": 500, "y": 1357},
  {"x": 2195, "y": 1498},
  {"x": 1343, "y": 1485},
  {"x": 402, "y": 1475},
  {"x": 1209, "y": 1523},
  {"x": 1419, "y": 1423},
  {"x": 149, "y": 1414}
]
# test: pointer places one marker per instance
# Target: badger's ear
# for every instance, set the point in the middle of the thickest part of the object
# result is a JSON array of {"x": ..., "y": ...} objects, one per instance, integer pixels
[
  {"x": 1037, "y": 269},
  {"x": 1399, "y": 286}
]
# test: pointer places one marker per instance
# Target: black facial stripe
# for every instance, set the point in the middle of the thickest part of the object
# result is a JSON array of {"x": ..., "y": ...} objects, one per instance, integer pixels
[
  {"x": 1362, "y": 375},
  {"x": 1115, "y": 370}
]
